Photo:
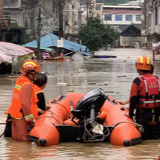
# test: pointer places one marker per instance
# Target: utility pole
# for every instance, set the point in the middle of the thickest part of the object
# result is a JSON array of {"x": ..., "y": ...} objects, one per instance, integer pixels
[
  {"x": 39, "y": 26},
  {"x": 88, "y": 4},
  {"x": 87, "y": 10},
  {"x": 1, "y": 11},
  {"x": 60, "y": 34}
]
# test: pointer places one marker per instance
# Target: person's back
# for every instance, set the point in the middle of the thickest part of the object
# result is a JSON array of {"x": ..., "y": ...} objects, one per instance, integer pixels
[
  {"x": 40, "y": 84},
  {"x": 127, "y": 101},
  {"x": 143, "y": 97}
]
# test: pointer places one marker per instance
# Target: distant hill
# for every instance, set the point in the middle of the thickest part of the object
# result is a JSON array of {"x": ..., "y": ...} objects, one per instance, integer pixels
[{"x": 112, "y": 2}]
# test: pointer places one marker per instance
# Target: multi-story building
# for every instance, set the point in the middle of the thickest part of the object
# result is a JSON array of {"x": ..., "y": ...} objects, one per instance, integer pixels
[
  {"x": 17, "y": 16},
  {"x": 121, "y": 15},
  {"x": 23, "y": 15},
  {"x": 151, "y": 21},
  {"x": 126, "y": 19},
  {"x": 88, "y": 9},
  {"x": 99, "y": 11}
]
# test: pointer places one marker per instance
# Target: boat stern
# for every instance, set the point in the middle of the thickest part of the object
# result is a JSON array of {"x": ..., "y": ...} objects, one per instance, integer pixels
[{"x": 125, "y": 134}]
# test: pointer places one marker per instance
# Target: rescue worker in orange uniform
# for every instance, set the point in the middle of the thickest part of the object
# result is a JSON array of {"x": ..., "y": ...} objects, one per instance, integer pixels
[
  {"x": 127, "y": 101},
  {"x": 145, "y": 98},
  {"x": 23, "y": 108}
]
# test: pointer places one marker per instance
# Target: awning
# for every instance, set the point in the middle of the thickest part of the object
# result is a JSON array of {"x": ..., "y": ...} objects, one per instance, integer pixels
[{"x": 44, "y": 48}]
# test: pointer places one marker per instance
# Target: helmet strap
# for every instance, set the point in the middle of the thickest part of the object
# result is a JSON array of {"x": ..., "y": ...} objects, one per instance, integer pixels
[{"x": 30, "y": 77}]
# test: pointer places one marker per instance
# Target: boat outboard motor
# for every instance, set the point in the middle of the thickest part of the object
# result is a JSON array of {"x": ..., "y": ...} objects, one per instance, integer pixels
[{"x": 86, "y": 111}]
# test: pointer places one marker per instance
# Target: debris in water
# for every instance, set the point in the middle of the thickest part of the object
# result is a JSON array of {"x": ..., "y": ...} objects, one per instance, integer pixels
[
  {"x": 82, "y": 70},
  {"x": 70, "y": 90},
  {"x": 109, "y": 91},
  {"x": 91, "y": 83},
  {"x": 105, "y": 83},
  {"x": 61, "y": 84}
]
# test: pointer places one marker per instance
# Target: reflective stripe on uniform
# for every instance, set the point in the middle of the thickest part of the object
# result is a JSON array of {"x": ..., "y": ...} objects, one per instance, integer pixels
[
  {"x": 38, "y": 92},
  {"x": 150, "y": 101},
  {"x": 148, "y": 60},
  {"x": 18, "y": 87},
  {"x": 28, "y": 117},
  {"x": 159, "y": 84}
]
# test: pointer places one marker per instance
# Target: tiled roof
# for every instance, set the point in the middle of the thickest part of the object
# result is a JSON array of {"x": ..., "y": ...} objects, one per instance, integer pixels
[
  {"x": 121, "y": 28},
  {"x": 51, "y": 40}
]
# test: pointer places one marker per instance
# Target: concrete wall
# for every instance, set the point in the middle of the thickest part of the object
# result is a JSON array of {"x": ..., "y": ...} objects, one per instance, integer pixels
[
  {"x": 49, "y": 16},
  {"x": 132, "y": 41}
]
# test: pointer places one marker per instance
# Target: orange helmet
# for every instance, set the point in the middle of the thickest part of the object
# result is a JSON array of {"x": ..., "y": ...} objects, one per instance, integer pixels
[
  {"x": 30, "y": 66},
  {"x": 143, "y": 63}
]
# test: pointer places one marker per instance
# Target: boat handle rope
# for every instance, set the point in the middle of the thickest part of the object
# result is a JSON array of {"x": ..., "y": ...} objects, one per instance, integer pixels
[
  {"x": 140, "y": 127},
  {"x": 59, "y": 121},
  {"x": 64, "y": 108}
]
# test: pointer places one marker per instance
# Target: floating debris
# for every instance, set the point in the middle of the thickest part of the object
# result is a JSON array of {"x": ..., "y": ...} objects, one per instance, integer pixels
[
  {"x": 109, "y": 91},
  {"x": 105, "y": 83},
  {"x": 61, "y": 84},
  {"x": 82, "y": 70},
  {"x": 91, "y": 83}
]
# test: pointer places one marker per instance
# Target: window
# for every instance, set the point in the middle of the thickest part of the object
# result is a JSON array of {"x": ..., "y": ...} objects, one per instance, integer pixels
[
  {"x": 138, "y": 17},
  {"x": 118, "y": 17},
  {"x": 98, "y": 7},
  {"x": 128, "y": 17},
  {"x": 11, "y": 3},
  {"x": 108, "y": 17}
]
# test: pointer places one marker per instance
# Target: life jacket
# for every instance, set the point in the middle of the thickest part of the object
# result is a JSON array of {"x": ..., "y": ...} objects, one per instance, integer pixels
[
  {"x": 149, "y": 96},
  {"x": 15, "y": 108}
]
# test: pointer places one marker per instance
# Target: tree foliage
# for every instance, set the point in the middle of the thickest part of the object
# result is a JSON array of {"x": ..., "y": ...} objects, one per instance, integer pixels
[
  {"x": 94, "y": 34},
  {"x": 113, "y": 2}
]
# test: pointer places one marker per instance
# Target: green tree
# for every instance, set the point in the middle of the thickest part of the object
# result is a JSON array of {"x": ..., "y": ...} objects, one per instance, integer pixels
[{"x": 94, "y": 34}]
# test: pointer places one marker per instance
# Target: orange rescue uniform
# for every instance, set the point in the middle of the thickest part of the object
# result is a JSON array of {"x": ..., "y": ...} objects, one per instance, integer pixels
[{"x": 23, "y": 108}]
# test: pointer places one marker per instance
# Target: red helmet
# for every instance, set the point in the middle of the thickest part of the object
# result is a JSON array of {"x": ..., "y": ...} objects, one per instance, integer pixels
[
  {"x": 30, "y": 66},
  {"x": 143, "y": 63}
]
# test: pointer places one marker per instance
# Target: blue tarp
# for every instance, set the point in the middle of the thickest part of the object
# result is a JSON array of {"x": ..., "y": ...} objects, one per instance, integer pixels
[{"x": 51, "y": 40}]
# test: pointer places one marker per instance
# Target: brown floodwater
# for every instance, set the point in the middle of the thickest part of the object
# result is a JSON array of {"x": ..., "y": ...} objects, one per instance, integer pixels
[{"x": 82, "y": 76}]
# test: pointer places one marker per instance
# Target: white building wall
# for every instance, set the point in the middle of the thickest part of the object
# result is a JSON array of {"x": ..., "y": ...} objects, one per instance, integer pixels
[{"x": 123, "y": 22}]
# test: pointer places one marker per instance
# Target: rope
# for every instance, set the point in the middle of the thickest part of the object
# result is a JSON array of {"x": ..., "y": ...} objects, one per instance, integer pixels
[
  {"x": 59, "y": 121},
  {"x": 140, "y": 127},
  {"x": 2, "y": 134},
  {"x": 64, "y": 108}
]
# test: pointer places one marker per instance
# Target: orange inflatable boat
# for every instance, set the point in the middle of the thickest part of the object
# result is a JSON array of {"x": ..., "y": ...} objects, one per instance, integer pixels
[
  {"x": 125, "y": 131},
  {"x": 90, "y": 117},
  {"x": 45, "y": 132}
]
